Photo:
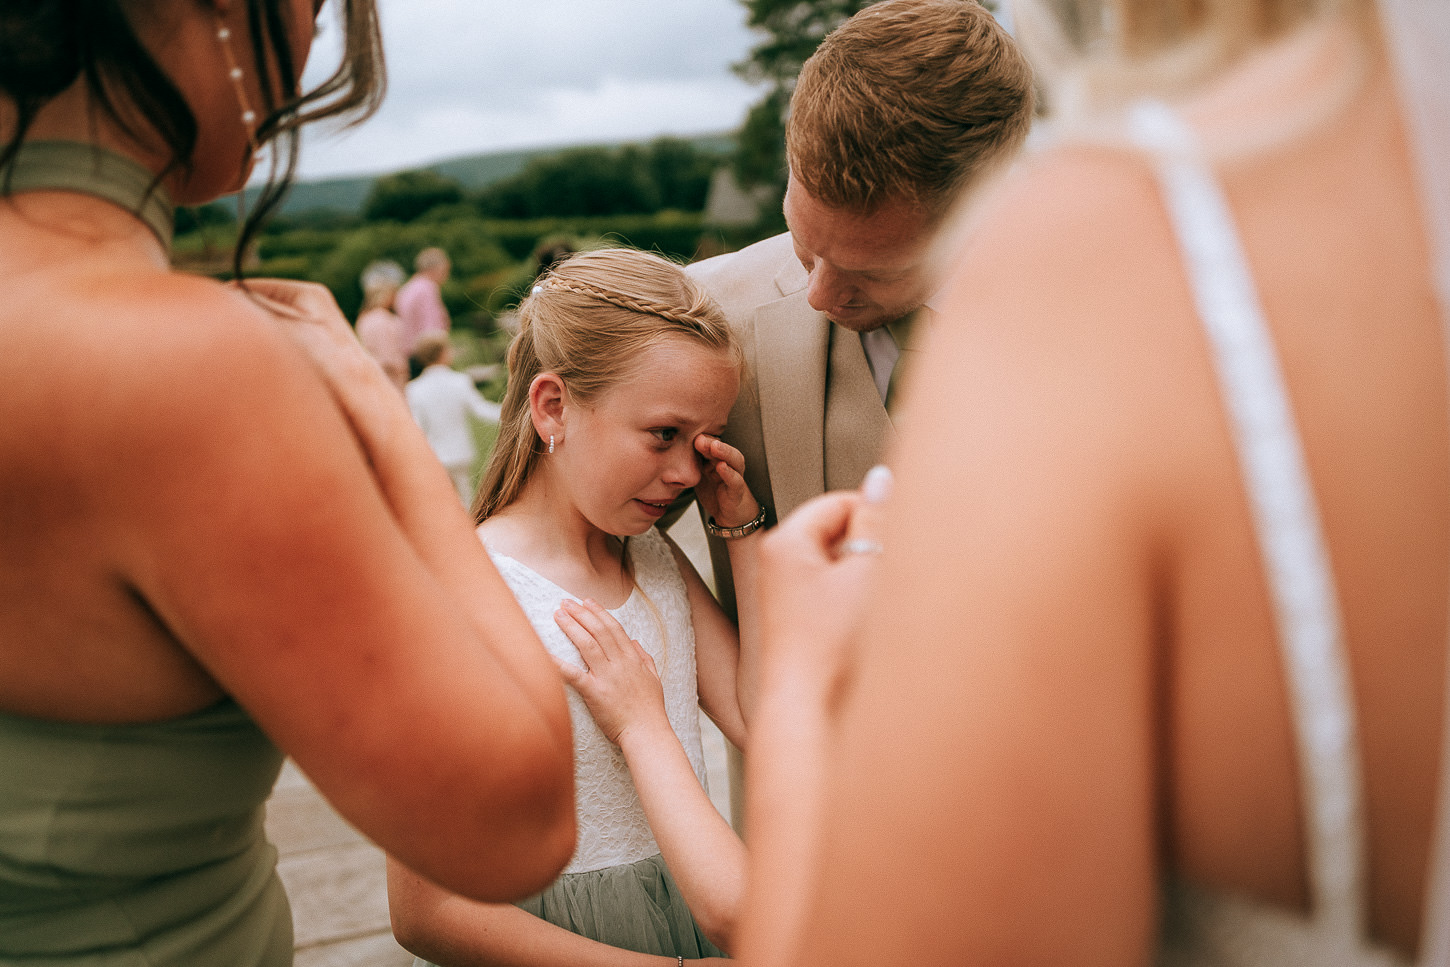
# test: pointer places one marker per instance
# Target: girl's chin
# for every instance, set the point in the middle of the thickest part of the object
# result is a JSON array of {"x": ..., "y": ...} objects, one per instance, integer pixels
[{"x": 623, "y": 529}]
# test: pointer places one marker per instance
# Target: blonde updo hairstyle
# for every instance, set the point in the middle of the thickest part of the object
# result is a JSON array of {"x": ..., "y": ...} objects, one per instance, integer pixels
[
  {"x": 587, "y": 321},
  {"x": 1095, "y": 55}
]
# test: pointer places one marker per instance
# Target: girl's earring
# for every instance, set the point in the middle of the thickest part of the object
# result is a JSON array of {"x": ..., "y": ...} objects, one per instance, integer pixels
[{"x": 551, "y": 443}]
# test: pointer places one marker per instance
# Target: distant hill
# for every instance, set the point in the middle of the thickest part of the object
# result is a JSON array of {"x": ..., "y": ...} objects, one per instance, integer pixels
[{"x": 473, "y": 172}]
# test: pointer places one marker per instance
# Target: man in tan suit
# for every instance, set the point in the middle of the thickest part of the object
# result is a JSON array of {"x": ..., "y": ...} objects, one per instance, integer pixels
[{"x": 899, "y": 111}]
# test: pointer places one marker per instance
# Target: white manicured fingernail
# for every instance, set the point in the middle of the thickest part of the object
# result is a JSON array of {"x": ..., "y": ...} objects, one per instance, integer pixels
[{"x": 877, "y": 485}]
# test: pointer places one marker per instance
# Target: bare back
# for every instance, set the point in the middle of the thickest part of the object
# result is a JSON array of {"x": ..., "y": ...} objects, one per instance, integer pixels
[{"x": 1097, "y": 700}]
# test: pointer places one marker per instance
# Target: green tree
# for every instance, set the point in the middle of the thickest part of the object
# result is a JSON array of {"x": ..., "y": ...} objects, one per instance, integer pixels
[
  {"x": 792, "y": 29},
  {"x": 680, "y": 172},
  {"x": 579, "y": 181},
  {"x": 191, "y": 219},
  {"x": 409, "y": 195}
]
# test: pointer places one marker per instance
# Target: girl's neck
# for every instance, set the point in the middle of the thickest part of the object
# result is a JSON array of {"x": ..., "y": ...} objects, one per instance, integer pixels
[{"x": 543, "y": 530}]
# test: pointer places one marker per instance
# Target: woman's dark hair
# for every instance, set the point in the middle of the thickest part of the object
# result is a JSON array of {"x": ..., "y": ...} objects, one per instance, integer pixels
[{"x": 46, "y": 45}]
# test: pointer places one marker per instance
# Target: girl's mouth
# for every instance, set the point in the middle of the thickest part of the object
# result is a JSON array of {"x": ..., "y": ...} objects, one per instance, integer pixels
[{"x": 653, "y": 508}]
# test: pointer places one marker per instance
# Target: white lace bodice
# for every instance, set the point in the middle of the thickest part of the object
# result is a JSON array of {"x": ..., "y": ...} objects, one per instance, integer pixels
[{"x": 612, "y": 826}]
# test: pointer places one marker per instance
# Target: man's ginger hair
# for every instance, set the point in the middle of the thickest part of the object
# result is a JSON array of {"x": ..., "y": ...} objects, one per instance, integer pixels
[{"x": 909, "y": 100}]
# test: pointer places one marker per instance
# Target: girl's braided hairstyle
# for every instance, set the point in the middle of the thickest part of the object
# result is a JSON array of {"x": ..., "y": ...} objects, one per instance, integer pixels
[{"x": 587, "y": 321}]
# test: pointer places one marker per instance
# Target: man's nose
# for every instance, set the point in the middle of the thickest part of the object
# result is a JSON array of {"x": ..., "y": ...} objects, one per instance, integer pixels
[{"x": 827, "y": 289}]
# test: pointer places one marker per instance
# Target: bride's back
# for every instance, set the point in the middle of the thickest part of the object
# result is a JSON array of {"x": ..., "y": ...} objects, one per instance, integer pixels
[{"x": 1113, "y": 710}]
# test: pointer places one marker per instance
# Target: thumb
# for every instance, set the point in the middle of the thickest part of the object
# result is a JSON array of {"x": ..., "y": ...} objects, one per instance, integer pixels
[{"x": 572, "y": 673}]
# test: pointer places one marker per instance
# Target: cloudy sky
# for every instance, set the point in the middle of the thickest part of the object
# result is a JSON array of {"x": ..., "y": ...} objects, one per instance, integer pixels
[{"x": 469, "y": 76}]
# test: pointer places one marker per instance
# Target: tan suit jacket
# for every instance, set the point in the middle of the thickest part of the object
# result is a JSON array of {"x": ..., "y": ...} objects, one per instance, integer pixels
[{"x": 809, "y": 417}]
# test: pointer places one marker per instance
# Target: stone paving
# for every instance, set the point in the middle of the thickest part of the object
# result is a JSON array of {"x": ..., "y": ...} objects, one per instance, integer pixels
[{"x": 335, "y": 878}]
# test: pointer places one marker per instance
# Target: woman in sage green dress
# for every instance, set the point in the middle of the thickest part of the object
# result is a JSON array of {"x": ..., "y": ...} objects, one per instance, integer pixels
[{"x": 210, "y": 557}]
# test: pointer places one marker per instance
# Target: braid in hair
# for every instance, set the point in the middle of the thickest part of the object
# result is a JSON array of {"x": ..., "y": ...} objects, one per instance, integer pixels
[{"x": 685, "y": 317}]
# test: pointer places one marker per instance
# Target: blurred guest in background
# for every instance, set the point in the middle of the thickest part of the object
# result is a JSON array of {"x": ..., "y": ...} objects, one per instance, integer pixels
[
  {"x": 444, "y": 402},
  {"x": 419, "y": 303},
  {"x": 380, "y": 330}
]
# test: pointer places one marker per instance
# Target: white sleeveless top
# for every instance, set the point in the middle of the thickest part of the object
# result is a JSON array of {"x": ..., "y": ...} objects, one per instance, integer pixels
[
  {"x": 612, "y": 826},
  {"x": 1203, "y": 928}
]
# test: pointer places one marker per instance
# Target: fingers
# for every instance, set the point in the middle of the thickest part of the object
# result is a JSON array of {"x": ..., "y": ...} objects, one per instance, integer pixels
[
  {"x": 863, "y": 535},
  {"x": 571, "y": 673},
  {"x": 289, "y": 299},
  {"x": 822, "y": 521},
  {"x": 717, "y": 451},
  {"x": 597, "y": 634},
  {"x": 580, "y": 637},
  {"x": 308, "y": 298}
]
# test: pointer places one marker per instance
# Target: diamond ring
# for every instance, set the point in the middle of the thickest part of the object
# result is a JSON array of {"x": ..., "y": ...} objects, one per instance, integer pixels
[{"x": 861, "y": 545}]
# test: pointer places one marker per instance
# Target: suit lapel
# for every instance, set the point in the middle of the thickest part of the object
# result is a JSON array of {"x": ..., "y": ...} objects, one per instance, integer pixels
[{"x": 792, "y": 344}]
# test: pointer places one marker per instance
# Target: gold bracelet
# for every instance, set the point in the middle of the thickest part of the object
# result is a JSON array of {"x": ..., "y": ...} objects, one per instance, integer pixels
[{"x": 731, "y": 533}]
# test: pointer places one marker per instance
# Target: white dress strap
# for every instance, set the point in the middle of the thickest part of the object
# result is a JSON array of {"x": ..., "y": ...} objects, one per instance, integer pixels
[{"x": 1286, "y": 520}]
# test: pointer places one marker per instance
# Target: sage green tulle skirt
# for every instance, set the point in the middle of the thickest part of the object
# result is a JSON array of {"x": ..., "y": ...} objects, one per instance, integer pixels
[{"x": 636, "y": 906}]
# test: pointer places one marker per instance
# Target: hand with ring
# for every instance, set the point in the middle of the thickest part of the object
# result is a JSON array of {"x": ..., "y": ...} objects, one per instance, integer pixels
[{"x": 816, "y": 573}]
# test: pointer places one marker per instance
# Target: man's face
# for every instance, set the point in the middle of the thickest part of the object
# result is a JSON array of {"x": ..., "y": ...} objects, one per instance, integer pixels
[{"x": 865, "y": 270}]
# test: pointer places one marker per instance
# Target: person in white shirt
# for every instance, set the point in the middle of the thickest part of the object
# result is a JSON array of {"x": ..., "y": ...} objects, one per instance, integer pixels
[{"x": 442, "y": 400}]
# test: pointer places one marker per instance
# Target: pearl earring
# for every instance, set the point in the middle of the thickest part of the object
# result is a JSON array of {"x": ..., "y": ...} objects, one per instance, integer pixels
[
  {"x": 234, "y": 72},
  {"x": 551, "y": 443}
]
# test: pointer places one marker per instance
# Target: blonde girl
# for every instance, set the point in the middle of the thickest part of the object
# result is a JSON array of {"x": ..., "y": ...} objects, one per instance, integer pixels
[{"x": 621, "y": 378}]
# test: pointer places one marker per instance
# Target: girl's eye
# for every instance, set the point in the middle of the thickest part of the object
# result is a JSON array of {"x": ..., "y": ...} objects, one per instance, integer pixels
[{"x": 665, "y": 434}]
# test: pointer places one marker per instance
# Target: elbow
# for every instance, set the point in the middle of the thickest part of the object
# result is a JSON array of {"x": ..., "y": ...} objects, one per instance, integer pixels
[
  {"x": 412, "y": 906},
  {"x": 717, "y": 922},
  {"x": 540, "y": 813},
  {"x": 551, "y": 842},
  {"x": 506, "y": 840}
]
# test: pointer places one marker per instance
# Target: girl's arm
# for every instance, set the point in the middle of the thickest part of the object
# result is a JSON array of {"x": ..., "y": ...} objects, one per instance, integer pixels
[
  {"x": 452, "y": 931},
  {"x": 725, "y": 496},
  {"x": 622, "y": 689}
]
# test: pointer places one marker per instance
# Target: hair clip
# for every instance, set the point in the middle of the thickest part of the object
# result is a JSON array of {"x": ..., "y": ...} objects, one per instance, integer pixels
[{"x": 537, "y": 290}]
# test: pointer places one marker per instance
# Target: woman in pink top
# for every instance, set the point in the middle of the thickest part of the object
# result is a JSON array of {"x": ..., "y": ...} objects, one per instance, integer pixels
[{"x": 379, "y": 329}]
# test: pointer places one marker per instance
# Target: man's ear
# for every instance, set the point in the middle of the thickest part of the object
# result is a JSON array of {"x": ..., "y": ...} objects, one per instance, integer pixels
[{"x": 548, "y": 399}]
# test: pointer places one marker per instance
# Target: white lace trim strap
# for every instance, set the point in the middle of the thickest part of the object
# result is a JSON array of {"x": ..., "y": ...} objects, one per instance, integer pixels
[{"x": 1285, "y": 514}]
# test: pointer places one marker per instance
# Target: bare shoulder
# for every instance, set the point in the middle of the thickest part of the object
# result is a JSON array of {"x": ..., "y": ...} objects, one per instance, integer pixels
[
  {"x": 1068, "y": 327},
  {"x": 149, "y": 376},
  {"x": 1057, "y": 218}
]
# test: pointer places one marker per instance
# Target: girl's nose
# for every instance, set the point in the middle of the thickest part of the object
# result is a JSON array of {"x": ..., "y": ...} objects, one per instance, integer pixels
[{"x": 683, "y": 469}]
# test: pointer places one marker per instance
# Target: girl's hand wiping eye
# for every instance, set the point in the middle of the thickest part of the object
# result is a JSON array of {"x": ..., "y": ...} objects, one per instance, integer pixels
[{"x": 722, "y": 490}]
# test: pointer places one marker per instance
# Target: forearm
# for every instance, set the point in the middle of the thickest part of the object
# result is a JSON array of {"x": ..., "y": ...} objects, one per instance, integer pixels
[
  {"x": 452, "y": 931},
  {"x": 703, "y": 853},
  {"x": 744, "y": 566},
  {"x": 425, "y": 506},
  {"x": 784, "y": 785}
]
